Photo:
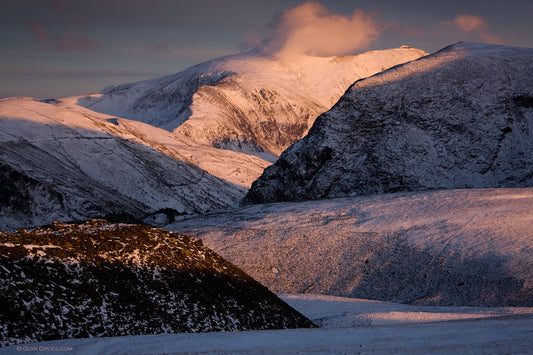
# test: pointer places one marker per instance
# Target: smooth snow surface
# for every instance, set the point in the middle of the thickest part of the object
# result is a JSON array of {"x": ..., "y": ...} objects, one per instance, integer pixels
[
  {"x": 439, "y": 330},
  {"x": 341, "y": 312},
  {"x": 454, "y": 247}
]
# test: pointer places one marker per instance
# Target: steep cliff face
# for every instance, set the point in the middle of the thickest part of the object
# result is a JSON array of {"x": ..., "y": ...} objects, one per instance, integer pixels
[
  {"x": 246, "y": 102},
  {"x": 100, "y": 279},
  {"x": 459, "y": 118}
]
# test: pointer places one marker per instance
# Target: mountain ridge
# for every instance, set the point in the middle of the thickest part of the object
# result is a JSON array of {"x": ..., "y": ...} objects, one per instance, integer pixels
[
  {"x": 454, "y": 119},
  {"x": 245, "y": 102},
  {"x": 142, "y": 169},
  {"x": 78, "y": 164}
]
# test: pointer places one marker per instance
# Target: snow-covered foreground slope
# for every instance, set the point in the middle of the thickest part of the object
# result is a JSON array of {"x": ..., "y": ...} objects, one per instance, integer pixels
[
  {"x": 454, "y": 247},
  {"x": 246, "y": 102},
  {"x": 459, "y": 118},
  {"x": 64, "y": 162},
  {"x": 342, "y": 312},
  {"x": 436, "y": 330}
]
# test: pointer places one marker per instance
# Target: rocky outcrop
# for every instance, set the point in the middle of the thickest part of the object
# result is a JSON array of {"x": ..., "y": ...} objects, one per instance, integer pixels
[
  {"x": 459, "y": 118},
  {"x": 99, "y": 279}
]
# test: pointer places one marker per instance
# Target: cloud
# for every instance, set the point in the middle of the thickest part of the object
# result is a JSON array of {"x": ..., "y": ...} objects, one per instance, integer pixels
[
  {"x": 468, "y": 23},
  {"x": 474, "y": 27},
  {"x": 310, "y": 29},
  {"x": 69, "y": 40}
]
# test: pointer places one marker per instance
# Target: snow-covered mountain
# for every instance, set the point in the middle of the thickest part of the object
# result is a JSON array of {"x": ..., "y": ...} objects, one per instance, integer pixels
[
  {"x": 459, "y": 118},
  {"x": 64, "y": 162},
  {"x": 453, "y": 247},
  {"x": 246, "y": 102},
  {"x": 100, "y": 279}
]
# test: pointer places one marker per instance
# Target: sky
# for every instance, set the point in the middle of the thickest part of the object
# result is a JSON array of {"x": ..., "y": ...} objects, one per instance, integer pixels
[{"x": 59, "y": 48}]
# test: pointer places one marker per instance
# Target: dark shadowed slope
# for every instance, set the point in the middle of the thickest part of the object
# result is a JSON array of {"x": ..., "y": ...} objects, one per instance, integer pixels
[{"x": 462, "y": 117}]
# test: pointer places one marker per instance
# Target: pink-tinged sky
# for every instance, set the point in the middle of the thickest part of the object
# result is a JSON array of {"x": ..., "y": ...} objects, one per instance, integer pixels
[{"x": 58, "y": 48}]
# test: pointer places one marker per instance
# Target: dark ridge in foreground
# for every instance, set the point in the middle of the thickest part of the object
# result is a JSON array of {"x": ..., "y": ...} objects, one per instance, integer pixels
[{"x": 100, "y": 279}]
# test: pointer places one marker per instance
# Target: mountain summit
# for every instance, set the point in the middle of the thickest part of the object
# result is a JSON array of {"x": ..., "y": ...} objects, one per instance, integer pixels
[
  {"x": 459, "y": 118},
  {"x": 247, "y": 102}
]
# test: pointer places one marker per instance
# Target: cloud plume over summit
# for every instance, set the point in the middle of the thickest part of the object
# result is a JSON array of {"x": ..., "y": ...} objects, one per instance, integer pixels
[
  {"x": 475, "y": 27},
  {"x": 311, "y": 29}
]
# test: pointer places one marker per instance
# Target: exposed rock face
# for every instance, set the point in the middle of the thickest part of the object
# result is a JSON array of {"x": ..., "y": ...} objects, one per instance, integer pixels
[
  {"x": 100, "y": 279},
  {"x": 459, "y": 118},
  {"x": 247, "y": 102}
]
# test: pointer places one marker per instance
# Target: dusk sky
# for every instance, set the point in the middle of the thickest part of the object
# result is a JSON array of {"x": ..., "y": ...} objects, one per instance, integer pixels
[{"x": 58, "y": 48}]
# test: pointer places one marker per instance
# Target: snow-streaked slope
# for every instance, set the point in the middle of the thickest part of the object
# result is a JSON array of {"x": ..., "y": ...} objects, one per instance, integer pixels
[
  {"x": 462, "y": 117},
  {"x": 245, "y": 102},
  {"x": 511, "y": 334},
  {"x": 65, "y": 162},
  {"x": 99, "y": 279},
  {"x": 452, "y": 247}
]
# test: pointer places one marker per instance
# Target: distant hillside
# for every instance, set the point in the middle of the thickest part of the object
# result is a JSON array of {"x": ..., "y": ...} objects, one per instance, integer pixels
[
  {"x": 99, "y": 279},
  {"x": 470, "y": 247},
  {"x": 62, "y": 162},
  {"x": 459, "y": 118}
]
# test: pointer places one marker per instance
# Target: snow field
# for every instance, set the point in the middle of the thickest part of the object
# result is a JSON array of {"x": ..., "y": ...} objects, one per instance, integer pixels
[{"x": 442, "y": 330}]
